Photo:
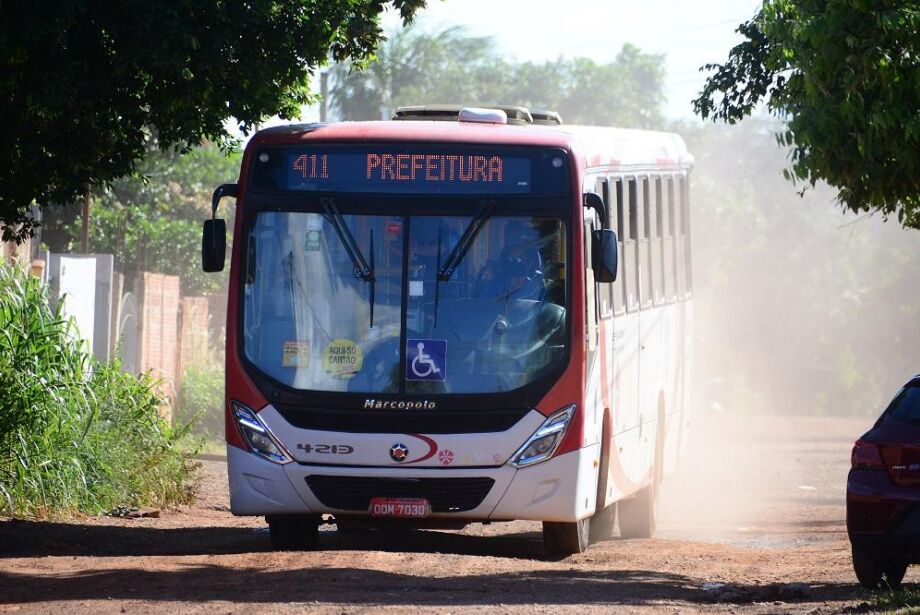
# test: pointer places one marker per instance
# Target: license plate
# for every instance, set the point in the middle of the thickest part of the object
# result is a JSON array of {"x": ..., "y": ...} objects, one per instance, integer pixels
[{"x": 413, "y": 508}]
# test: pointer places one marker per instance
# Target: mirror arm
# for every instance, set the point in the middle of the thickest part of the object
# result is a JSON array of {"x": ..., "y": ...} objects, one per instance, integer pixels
[
  {"x": 596, "y": 202},
  {"x": 231, "y": 190}
]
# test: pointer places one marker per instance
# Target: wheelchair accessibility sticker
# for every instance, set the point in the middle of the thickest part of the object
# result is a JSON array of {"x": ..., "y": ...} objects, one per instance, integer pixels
[{"x": 426, "y": 360}]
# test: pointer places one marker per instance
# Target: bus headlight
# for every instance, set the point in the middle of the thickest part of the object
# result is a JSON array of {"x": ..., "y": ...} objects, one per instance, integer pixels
[
  {"x": 544, "y": 441},
  {"x": 257, "y": 435}
]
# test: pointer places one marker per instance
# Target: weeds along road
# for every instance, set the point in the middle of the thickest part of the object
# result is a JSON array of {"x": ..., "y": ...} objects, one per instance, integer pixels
[{"x": 757, "y": 506}]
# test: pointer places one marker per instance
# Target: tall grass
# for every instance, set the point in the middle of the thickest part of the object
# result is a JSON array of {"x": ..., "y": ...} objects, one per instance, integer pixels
[{"x": 76, "y": 434}]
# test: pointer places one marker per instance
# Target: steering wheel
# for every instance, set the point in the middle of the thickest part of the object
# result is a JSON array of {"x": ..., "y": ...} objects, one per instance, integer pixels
[{"x": 548, "y": 323}]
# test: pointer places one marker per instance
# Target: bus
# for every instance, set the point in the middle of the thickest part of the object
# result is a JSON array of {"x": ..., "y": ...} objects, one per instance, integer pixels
[{"x": 458, "y": 315}]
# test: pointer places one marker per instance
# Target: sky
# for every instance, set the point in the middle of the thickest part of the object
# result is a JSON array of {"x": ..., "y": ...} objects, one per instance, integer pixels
[{"x": 689, "y": 33}]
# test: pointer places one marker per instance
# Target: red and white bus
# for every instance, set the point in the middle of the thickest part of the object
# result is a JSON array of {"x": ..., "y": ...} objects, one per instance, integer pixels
[{"x": 424, "y": 327}]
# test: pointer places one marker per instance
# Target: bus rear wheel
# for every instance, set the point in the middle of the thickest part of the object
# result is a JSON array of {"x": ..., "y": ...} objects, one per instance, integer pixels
[
  {"x": 562, "y": 539},
  {"x": 293, "y": 532}
]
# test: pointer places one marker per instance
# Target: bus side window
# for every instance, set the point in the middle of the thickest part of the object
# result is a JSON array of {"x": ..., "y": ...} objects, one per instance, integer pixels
[
  {"x": 685, "y": 223},
  {"x": 680, "y": 253},
  {"x": 630, "y": 247},
  {"x": 670, "y": 267},
  {"x": 616, "y": 210},
  {"x": 645, "y": 249},
  {"x": 591, "y": 309},
  {"x": 657, "y": 243},
  {"x": 605, "y": 291}
]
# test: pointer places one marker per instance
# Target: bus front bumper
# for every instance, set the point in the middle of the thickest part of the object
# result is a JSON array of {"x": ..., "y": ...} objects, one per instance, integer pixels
[{"x": 561, "y": 489}]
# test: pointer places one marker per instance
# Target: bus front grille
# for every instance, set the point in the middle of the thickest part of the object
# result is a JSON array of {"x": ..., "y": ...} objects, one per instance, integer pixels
[
  {"x": 413, "y": 421},
  {"x": 354, "y": 493}
]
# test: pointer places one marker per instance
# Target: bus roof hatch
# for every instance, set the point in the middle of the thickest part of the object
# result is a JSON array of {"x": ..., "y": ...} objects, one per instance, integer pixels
[{"x": 490, "y": 114}]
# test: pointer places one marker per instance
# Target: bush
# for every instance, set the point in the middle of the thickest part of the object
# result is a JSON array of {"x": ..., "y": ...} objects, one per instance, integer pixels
[
  {"x": 76, "y": 434},
  {"x": 201, "y": 400}
]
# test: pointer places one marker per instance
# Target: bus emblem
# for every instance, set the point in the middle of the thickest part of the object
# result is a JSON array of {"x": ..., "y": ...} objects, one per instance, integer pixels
[{"x": 399, "y": 452}]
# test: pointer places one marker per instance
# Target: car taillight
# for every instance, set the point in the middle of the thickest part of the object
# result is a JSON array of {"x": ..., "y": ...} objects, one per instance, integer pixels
[{"x": 866, "y": 456}]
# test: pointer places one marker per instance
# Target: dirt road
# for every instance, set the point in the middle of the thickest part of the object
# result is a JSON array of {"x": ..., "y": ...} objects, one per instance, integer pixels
[{"x": 757, "y": 506}]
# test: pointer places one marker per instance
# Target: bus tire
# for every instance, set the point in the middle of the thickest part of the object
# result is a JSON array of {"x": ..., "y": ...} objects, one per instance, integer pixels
[
  {"x": 293, "y": 532},
  {"x": 562, "y": 539}
]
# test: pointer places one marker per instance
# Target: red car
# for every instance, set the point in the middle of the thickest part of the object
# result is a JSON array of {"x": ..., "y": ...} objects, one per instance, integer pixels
[{"x": 883, "y": 493}]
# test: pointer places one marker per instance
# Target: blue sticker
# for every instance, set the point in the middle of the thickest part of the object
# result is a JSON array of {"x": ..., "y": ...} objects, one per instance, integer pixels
[{"x": 426, "y": 360}]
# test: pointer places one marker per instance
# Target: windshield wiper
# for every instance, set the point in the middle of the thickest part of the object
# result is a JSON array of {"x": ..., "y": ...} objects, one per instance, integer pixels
[
  {"x": 362, "y": 270},
  {"x": 458, "y": 253},
  {"x": 465, "y": 242}
]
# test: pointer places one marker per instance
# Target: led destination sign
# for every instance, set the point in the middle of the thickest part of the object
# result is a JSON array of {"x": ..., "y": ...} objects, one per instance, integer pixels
[
  {"x": 411, "y": 168},
  {"x": 406, "y": 172}
]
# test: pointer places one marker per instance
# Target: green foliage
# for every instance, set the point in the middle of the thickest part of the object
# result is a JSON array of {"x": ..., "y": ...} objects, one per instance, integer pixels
[
  {"x": 450, "y": 66},
  {"x": 797, "y": 309},
  {"x": 76, "y": 434},
  {"x": 201, "y": 399},
  {"x": 83, "y": 82},
  {"x": 845, "y": 78},
  {"x": 901, "y": 601},
  {"x": 152, "y": 222}
]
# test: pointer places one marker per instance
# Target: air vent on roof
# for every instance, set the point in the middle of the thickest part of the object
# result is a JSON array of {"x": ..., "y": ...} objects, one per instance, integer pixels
[
  {"x": 545, "y": 117},
  {"x": 513, "y": 114},
  {"x": 428, "y": 112}
]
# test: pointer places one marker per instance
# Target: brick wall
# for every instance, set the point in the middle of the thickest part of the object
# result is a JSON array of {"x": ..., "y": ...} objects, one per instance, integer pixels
[{"x": 159, "y": 335}]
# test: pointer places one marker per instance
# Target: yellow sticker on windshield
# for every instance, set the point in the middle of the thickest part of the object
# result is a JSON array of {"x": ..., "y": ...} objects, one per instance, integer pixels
[
  {"x": 295, "y": 354},
  {"x": 343, "y": 358}
]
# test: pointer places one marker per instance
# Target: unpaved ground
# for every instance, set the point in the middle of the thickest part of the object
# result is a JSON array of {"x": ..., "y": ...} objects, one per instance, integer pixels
[{"x": 757, "y": 504}]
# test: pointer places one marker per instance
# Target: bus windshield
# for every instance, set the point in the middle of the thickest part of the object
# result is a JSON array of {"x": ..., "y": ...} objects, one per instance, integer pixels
[{"x": 494, "y": 321}]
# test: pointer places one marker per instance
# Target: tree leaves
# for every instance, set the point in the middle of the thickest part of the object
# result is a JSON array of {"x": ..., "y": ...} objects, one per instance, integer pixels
[
  {"x": 84, "y": 82},
  {"x": 845, "y": 77},
  {"x": 451, "y": 67}
]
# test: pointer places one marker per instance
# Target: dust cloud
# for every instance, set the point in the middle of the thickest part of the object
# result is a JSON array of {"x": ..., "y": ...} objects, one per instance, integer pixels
[
  {"x": 805, "y": 327},
  {"x": 800, "y": 309}
]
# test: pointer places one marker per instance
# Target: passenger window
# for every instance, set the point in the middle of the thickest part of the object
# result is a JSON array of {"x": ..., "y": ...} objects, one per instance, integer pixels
[
  {"x": 605, "y": 291},
  {"x": 645, "y": 248},
  {"x": 630, "y": 247},
  {"x": 667, "y": 242},
  {"x": 657, "y": 242},
  {"x": 619, "y": 287}
]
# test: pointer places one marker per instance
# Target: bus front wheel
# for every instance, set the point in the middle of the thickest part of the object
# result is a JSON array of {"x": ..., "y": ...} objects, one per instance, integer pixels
[
  {"x": 293, "y": 532},
  {"x": 562, "y": 539}
]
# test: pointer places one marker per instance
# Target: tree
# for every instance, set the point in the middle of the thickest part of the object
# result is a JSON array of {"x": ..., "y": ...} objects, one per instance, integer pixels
[
  {"x": 844, "y": 76},
  {"x": 152, "y": 222},
  {"x": 409, "y": 65},
  {"x": 450, "y": 66},
  {"x": 86, "y": 83},
  {"x": 797, "y": 309}
]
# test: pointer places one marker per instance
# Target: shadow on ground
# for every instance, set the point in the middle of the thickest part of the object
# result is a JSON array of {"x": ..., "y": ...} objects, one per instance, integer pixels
[
  {"x": 40, "y": 539},
  {"x": 203, "y": 583},
  {"x": 295, "y": 578}
]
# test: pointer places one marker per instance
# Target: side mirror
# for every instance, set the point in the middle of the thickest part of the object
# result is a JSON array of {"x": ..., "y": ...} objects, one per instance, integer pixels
[
  {"x": 604, "y": 255},
  {"x": 214, "y": 234},
  {"x": 213, "y": 245}
]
